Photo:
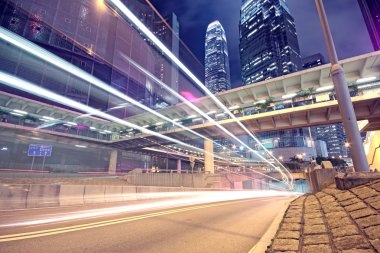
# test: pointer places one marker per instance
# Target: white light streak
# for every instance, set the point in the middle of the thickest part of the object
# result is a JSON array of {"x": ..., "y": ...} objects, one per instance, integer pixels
[
  {"x": 325, "y": 88},
  {"x": 41, "y": 92},
  {"x": 20, "y": 112},
  {"x": 158, "y": 200},
  {"x": 48, "y": 118},
  {"x": 366, "y": 79},
  {"x": 287, "y": 96}
]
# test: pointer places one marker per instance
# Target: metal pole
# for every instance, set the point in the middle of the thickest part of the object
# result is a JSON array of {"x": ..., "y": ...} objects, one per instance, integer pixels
[
  {"x": 31, "y": 167},
  {"x": 43, "y": 163},
  {"x": 343, "y": 96}
]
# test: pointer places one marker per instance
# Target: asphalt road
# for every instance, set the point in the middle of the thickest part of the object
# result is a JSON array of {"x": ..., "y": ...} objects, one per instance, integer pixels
[{"x": 234, "y": 226}]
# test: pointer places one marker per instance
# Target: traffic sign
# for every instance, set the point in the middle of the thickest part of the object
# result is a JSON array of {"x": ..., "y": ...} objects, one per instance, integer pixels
[{"x": 40, "y": 150}]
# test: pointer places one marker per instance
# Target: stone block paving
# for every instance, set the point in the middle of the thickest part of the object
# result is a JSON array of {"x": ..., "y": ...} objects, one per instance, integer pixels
[{"x": 332, "y": 221}]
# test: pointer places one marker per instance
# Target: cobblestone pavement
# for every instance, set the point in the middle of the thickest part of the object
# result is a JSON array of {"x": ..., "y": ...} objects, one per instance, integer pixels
[{"x": 332, "y": 221}]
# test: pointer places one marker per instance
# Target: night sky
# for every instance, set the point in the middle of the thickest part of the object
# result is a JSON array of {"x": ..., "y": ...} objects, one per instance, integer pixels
[{"x": 346, "y": 21}]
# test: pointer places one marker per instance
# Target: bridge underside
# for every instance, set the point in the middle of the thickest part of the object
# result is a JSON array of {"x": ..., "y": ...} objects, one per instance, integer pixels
[{"x": 366, "y": 108}]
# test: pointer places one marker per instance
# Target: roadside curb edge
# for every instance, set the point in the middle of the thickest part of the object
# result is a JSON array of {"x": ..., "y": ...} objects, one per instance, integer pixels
[{"x": 266, "y": 239}]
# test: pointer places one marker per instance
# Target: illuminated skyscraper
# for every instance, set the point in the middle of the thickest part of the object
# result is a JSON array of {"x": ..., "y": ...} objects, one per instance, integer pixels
[
  {"x": 216, "y": 60},
  {"x": 371, "y": 13},
  {"x": 268, "y": 40}
]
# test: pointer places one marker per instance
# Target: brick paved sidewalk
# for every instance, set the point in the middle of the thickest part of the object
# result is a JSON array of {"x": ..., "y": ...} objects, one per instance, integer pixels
[{"x": 332, "y": 221}]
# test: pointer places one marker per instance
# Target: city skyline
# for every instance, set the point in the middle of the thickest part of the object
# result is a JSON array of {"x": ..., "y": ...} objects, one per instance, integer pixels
[{"x": 306, "y": 20}]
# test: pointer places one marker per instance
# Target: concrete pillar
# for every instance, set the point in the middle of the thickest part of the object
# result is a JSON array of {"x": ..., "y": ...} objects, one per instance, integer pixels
[
  {"x": 209, "y": 156},
  {"x": 113, "y": 162},
  {"x": 179, "y": 166}
]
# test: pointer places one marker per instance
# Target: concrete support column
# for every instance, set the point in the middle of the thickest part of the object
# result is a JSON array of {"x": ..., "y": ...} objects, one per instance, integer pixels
[
  {"x": 113, "y": 162},
  {"x": 179, "y": 166},
  {"x": 209, "y": 156}
]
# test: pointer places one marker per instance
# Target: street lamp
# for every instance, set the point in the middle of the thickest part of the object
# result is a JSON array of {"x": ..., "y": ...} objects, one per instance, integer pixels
[{"x": 343, "y": 96}]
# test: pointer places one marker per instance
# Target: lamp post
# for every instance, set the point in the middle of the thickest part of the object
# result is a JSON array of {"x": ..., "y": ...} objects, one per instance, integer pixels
[{"x": 343, "y": 96}]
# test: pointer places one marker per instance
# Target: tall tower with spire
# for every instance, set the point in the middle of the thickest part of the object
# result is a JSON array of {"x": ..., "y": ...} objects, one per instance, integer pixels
[{"x": 217, "y": 74}]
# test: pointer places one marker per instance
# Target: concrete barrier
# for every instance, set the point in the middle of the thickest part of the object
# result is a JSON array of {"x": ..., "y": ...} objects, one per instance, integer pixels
[
  {"x": 13, "y": 196},
  {"x": 43, "y": 196},
  {"x": 129, "y": 193},
  {"x": 321, "y": 178},
  {"x": 94, "y": 194},
  {"x": 70, "y": 195},
  {"x": 40, "y": 196},
  {"x": 167, "y": 179},
  {"x": 147, "y": 192},
  {"x": 113, "y": 193}
]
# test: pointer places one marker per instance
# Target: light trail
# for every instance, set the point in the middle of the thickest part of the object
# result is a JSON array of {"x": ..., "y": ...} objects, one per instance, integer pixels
[
  {"x": 124, "y": 10},
  {"x": 65, "y": 66},
  {"x": 182, "y": 199},
  {"x": 26, "y": 86},
  {"x": 191, "y": 105}
]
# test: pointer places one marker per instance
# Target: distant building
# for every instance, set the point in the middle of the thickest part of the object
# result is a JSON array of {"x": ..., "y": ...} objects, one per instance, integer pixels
[
  {"x": 321, "y": 148},
  {"x": 335, "y": 139},
  {"x": 268, "y": 41},
  {"x": 217, "y": 75},
  {"x": 286, "y": 143},
  {"x": 312, "y": 61},
  {"x": 371, "y": 13}
]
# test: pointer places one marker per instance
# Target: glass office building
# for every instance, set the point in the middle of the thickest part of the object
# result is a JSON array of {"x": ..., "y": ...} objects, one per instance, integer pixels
[
  {"x": 268, "y": 41},
  {"x": 335, "y": 139},
  {"x": 217, "y": 75},
  {"x": 88, "y": 35}
]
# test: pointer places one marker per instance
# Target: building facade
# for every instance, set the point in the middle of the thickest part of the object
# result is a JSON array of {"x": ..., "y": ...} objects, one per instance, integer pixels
[
  {"x": 88, "y": 35},
  {"x": 167, "y": 31},
  {"x": 371, "y": 13},
  {"x": 217, "y": 66},
  {"x": 321, "y": 148},
  {"x": 286, "y": 144},
  {"x": 268, "y": 40},
  {"x": 313, "y": 61},
  {"x": 335, "y": 139}
]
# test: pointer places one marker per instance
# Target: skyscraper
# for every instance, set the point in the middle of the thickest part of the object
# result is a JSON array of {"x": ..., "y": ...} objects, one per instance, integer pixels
[
  {"x": 371, "y": 13},
  {"x": 268, "y": 40},
  {"x": 335, "y": 139},
  {"x": 313, "y": 61},
  {"x": 216, "y": 60}
]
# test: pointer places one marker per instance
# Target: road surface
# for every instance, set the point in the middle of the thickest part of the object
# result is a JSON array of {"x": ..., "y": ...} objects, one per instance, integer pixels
[{"x": 231, "y": 226}]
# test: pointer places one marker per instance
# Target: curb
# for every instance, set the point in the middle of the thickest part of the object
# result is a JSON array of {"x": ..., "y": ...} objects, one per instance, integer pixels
[{"x": 266, "y": 239}]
